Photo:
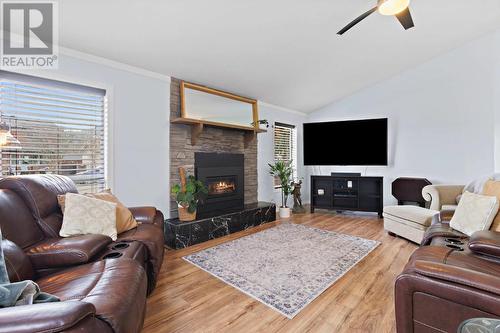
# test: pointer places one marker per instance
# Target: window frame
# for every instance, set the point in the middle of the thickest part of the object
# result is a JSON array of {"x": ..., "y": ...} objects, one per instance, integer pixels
[
  {"x": 293, "y": 152},
  {"x": 109, "y": 116}
]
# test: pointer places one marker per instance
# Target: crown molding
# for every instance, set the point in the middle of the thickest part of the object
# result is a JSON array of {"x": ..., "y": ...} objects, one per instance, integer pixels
[
  {"x": 281, "y": 108},
  {"x": 111, "y": 63}
]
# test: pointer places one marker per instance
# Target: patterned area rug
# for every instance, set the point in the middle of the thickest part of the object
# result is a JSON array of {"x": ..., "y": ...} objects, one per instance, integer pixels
[{"x": 285, "y": 267}]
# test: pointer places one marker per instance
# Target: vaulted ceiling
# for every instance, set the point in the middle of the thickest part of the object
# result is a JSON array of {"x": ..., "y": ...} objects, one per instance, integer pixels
[{"x": 284, "y": 52}]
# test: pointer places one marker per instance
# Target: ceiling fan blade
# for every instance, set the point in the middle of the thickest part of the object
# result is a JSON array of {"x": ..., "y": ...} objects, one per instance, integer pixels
[
  {"x": 356, "y": 21},
  {"x": 405, "y": 19}
]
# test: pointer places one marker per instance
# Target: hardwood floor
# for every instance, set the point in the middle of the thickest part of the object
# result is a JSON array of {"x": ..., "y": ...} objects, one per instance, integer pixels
[{"x": 188, "y": 299}]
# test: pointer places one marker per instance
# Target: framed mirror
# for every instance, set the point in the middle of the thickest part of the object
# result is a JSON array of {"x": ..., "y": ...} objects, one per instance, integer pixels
[{"x": 218, "y": 108}]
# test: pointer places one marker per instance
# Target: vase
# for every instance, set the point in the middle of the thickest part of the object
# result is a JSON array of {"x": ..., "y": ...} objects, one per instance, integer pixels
[
  {"x": 185, "y": 215},
  {"x": 284, "y": 212}
]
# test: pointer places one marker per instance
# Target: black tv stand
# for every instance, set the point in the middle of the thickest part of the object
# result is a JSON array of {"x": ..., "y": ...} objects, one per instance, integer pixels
[{"x": 347, "y": 193}]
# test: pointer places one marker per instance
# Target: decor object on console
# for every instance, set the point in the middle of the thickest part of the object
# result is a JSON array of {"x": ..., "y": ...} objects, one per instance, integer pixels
[
  {"x": 283, "y": 171},
  {"x": 187, "y": 195},
  {"x": 266, "y": 273},
  {"x": 179, "y": 235},
  {"x": 297, "y": 199}
]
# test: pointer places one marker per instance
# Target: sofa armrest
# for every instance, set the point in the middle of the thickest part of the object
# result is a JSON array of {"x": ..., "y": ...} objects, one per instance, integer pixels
[
  {"x": 60, "y": 252},
  {"x": 440, "y": 195},
  {"x": 44, "y": 317},
  {"x": 485, "y": 243},
  {"x": 148, "y": 215},
  {"x": 440, "y": 230},
  {"x": 459, "y": 275}
]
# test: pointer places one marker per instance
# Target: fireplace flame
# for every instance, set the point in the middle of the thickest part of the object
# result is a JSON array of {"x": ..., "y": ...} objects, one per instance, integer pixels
[{"x": 223, "y": 187}]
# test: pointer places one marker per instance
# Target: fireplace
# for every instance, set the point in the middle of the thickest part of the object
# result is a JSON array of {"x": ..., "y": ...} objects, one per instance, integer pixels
[{"x": 223, "y": 175}]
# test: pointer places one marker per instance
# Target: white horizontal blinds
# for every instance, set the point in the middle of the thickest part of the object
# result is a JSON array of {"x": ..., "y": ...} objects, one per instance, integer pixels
[
  {"x": 60, "y": 128},
  {"x": 285, "y": 145}
]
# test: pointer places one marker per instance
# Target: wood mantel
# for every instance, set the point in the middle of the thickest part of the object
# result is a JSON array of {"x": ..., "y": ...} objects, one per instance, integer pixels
[{"x": 198, "y": 125}]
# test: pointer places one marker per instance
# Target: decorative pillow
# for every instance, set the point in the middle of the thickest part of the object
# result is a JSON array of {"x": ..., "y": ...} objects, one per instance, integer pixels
[
  {"x": 84, "y": 215},
  {"x": 475, "y": 212},
  {"x": 492, "y": 188},
  {"x": 124, "y": 219}
]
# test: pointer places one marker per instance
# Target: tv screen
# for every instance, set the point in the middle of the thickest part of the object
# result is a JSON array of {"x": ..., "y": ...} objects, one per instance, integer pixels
[{"x": 354, "y": 142}]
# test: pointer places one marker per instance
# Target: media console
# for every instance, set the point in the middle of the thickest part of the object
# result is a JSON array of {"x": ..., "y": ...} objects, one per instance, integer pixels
[{"x": 347, "y": 192}]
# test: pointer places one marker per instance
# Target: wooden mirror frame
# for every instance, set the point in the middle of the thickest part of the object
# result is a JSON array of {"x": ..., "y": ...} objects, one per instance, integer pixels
[{"x": 253, "y": 102}]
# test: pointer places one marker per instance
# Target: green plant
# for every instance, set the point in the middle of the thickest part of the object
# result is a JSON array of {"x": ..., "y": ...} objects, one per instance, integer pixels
[
  {"x": 195, "y": 192},
  {"x": 283, "y": 170}
]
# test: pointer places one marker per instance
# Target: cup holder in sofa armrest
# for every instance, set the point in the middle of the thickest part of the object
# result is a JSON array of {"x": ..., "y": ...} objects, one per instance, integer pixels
[
  {"x": 454, "y": 247},
  {"x": 113, "y": 255},
  {"x": 454, "y": 241},
  {"x": 120, "y": 246}
]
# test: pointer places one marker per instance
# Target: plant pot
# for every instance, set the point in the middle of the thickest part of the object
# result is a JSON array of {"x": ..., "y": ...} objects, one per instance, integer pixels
[
  {"x": 284, "y": 212},
  {"x": 185, "y": 215}
]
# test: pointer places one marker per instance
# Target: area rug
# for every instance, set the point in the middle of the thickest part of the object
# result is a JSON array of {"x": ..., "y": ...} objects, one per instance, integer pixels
[{"x": 285, "y": 267}]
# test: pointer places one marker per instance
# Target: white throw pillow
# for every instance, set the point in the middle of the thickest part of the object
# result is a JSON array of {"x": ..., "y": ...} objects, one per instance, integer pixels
[
  {"x": 475, "y": 212},
  {"x": 84, "y": 215}
]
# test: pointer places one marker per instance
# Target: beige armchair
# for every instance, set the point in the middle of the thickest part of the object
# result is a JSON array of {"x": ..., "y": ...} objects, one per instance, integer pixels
[{"x": 442, "y": 195}]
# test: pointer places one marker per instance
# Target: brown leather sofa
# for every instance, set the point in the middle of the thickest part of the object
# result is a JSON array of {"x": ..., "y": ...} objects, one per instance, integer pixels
[
  {"x": 449, "y": 279},
  {"x": 102, "y": 284}
]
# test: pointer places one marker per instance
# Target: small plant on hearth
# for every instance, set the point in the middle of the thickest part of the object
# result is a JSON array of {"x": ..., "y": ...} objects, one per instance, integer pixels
[
  {"x": 188, "y": 194},
  {"x": 283, "y": 171}
]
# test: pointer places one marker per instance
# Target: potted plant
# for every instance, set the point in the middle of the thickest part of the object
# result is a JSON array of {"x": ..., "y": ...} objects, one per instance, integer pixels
[
  {"x": 187, "y": 195},
  {"x": 283, "y": 170}
]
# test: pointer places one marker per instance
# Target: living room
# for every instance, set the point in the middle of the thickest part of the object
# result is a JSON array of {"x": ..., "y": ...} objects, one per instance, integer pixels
[{"x": 250, "y": 167}]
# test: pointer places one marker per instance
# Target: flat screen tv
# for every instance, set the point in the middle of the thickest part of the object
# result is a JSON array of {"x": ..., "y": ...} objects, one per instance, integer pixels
[{"x": 353, "y": 142}]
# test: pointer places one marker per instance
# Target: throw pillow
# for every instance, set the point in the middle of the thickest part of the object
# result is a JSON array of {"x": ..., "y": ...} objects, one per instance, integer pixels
[
  {"x": 84, "y": 215},
  {"x": 492, "y": 188},
  {"x": 124, "y": 219},
  {"x": 475, "y": 212}
]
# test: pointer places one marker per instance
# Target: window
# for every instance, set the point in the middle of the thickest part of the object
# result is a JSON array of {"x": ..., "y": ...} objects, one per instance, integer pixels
[
  {"x": 285, "y": 146},
  {"x": 56, "y": 128}
]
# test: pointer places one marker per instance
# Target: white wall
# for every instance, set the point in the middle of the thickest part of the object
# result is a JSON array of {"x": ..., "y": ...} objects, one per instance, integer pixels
[
  {"x": 265, "y": 149},
  {"x": 441, "y": 117},
  {"x": 139, "y": 126}
]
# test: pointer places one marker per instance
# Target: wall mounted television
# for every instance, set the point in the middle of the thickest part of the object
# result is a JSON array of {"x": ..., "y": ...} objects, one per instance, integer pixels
[{"x": 352, "y": 142}]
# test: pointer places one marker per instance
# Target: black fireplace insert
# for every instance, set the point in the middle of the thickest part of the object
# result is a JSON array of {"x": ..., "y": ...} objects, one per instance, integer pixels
[{"x": 223, "y": 174}]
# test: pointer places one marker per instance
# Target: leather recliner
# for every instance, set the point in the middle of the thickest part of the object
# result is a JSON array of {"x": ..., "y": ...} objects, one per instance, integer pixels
[
  {"x": 102, "y": 284},
  {"x": 448, "y": 280}
]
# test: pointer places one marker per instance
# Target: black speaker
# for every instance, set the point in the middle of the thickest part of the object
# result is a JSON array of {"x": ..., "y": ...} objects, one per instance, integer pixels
[{"x": 346, "y": 174}]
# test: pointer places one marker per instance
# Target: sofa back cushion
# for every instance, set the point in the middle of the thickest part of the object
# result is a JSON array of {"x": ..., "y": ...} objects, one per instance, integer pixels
[
  {"x": 18, "y": 264},
  {"x": 39, "y": 193},
  {"x": 17, "y": 222},
  {"x": 492, "y": 188}
]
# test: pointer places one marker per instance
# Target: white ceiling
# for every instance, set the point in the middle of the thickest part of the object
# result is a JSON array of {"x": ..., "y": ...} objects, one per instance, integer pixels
[{"x": 284, "y": 52}]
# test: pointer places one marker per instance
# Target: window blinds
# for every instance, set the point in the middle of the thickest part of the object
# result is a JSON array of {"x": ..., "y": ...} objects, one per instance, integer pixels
[
  {"x": 285, "y": 145},
  {"x": 58, "y": 128}
]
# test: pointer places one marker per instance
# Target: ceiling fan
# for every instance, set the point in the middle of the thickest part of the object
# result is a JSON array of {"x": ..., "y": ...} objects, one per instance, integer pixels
[{"x": 398, "y": 8}]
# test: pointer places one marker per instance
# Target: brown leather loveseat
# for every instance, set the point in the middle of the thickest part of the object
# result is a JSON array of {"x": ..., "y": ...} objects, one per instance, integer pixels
[
  {"x": 448, "y": 280},
  {"x": 102, "y": 284}
]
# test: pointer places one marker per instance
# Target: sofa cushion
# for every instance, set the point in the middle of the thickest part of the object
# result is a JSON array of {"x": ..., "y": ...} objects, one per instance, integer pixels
[
  {"x": 475, "y": 212},
  {"x": 117, "y": 289},
  {"x": 124, "y": 218},
  {"x": 413, "y": 214},
  {"x": 16, "y": 220},
  {"x": 84, "y": 215},
  {"x": 59, "y": 252},
  {"x": 492, "y": 188},
  {"x": 39, "y": 193}
]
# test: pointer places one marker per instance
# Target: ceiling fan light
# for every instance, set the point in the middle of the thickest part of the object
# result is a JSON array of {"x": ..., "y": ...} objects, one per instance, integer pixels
[{"x": 393, "y": 7}]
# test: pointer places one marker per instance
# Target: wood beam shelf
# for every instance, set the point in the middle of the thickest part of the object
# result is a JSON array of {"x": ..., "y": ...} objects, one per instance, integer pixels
[{"x": 198, "y": 125}]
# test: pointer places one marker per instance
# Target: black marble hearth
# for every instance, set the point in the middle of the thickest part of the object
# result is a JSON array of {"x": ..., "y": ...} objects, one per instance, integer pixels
[{"x": 179, "y": 235}]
